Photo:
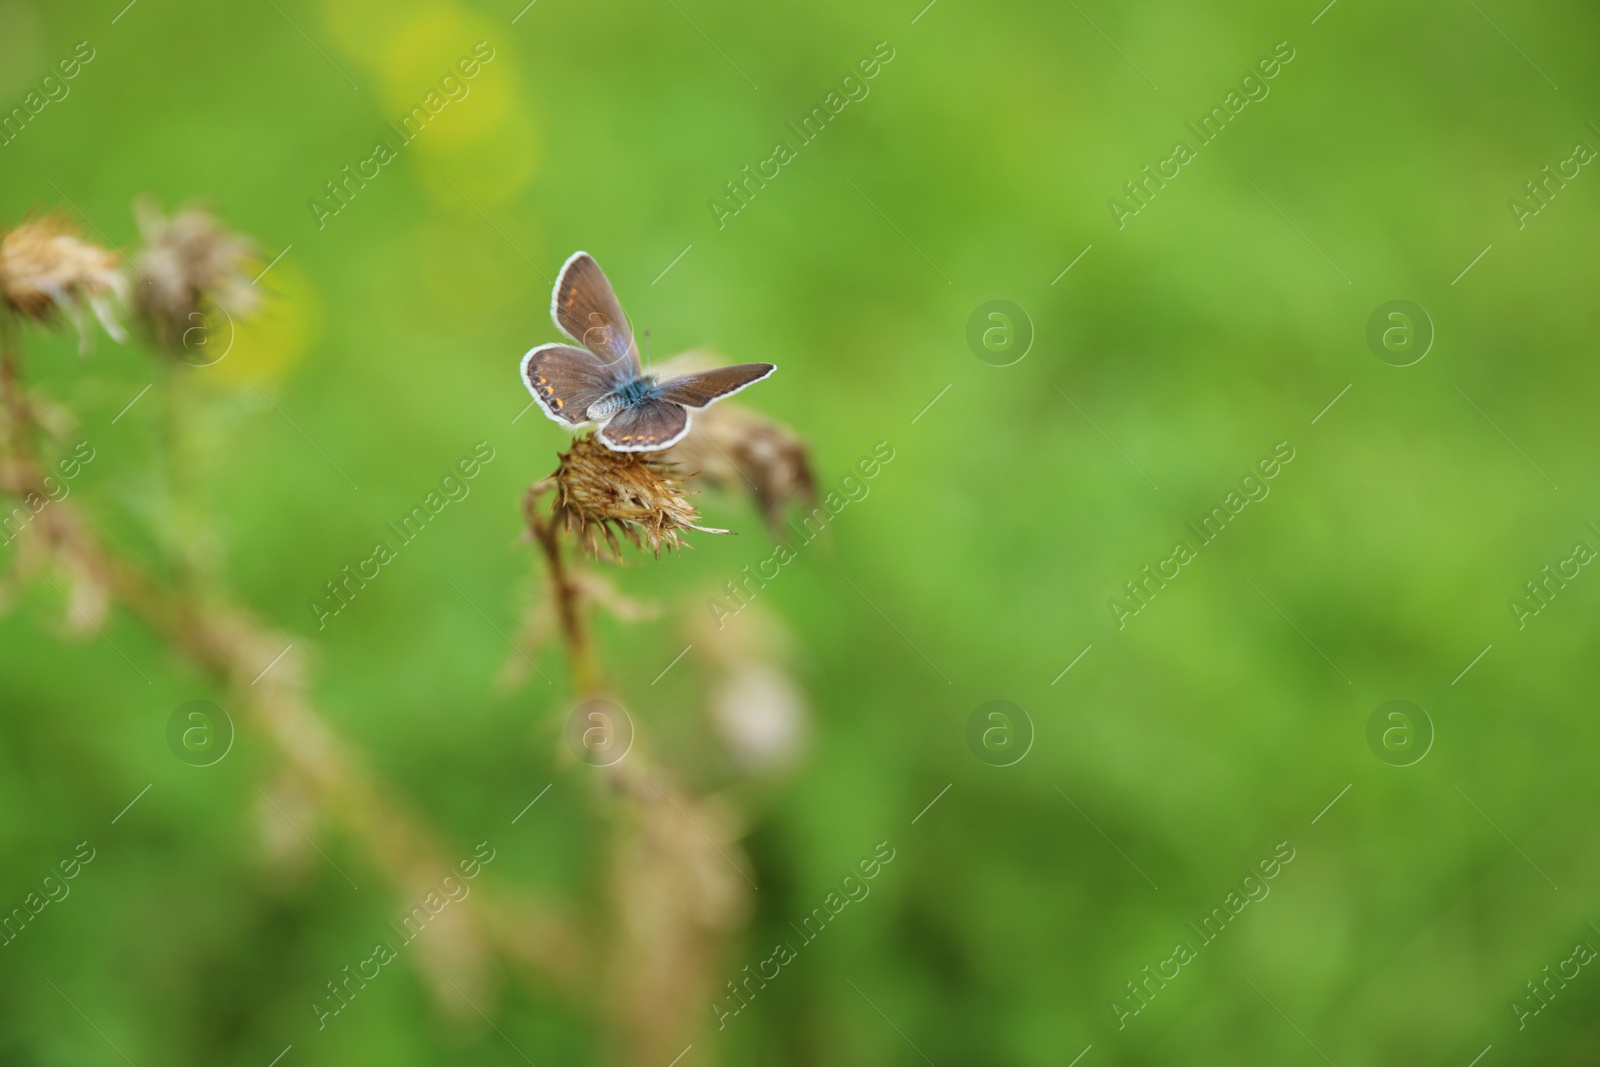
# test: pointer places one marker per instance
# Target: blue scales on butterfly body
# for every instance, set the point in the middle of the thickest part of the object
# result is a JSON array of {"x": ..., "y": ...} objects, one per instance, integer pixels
[{"x": 633, "y": 393}]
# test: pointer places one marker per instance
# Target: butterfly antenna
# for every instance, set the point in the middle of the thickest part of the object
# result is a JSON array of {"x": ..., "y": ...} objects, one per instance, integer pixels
[{"x": 647, "y": 351}]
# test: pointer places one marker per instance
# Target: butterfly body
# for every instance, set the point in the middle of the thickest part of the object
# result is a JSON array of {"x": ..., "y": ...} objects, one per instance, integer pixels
[
  {"x": 637, "y": 391},
  {"x": 603, "y": 382}
]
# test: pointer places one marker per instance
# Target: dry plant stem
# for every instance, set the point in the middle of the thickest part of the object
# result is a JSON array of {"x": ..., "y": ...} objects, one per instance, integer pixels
[
  {"x": 18, "y": 417},
  {"x": 569, "y": 597},
  {"x": 231, "y": 648},
  {"x": 675, "y": 901},
  {"x": 182, "y": 534}
]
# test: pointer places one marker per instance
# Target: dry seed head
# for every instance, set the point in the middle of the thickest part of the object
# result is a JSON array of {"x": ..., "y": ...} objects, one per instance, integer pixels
[
  {"x": 601, "y": 493},
  {"x": 46, "y": 269},
  {"x": 189, "y": 266},
  {"x": 738, "y": 450}
]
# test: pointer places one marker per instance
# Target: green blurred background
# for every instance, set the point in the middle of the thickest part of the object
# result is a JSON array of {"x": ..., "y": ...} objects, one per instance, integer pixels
[{"x": 1220, "y": 321}]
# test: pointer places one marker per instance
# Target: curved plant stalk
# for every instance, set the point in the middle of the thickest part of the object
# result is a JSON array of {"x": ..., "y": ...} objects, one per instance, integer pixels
[
  {"x": 230, "y": 646},
  {"x": 678, "y": 886}
]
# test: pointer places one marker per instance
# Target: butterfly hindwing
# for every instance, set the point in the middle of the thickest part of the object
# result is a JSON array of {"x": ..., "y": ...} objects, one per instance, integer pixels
[
  {"x": 566, "y": 381},
  {"x": 645, "y": 427},
  {"x": 707, "y": 387},
  {"x": 586, "y": 308}
]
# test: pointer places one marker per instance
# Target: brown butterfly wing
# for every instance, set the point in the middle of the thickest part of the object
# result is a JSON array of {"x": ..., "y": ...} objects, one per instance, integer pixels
[
  {"x": 566, "y": 380},
  {"x": 647, "y": 427},
  {"x": 586, "y": 309},
  {"x": 700, "y": 390}
]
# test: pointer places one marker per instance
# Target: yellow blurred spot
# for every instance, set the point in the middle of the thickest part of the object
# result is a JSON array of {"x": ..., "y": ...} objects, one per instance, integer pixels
[
  {"x": 491, "y": 172},
  {"x": 447, "y": 99},
  {"x": 364, "y": 28},
  {"x": 448, "y": 86},
  {"x": 453, "y": 55},
  {"x": 270, "y": 342},
  {"x": 448, "y": 82}
]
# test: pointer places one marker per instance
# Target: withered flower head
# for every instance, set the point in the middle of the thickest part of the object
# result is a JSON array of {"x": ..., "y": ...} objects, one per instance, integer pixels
[
  {"x": 736, "y": 450},
  {"x": 189, "y": 266},
  {"x": 601, "y": 493},
  {"x": 47, "y": 269}
]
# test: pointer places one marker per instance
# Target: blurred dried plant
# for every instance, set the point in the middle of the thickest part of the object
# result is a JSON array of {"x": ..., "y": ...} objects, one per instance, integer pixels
[
  {"x": 540, "y": 623},
  {"x": 680, "y": 898},
  {"x": 678, "y": 885},
  {"x": 48, "y": 271},
  {"x": 189, "y": 267},
  {"x": 735, "y": 448},
  {"x": 678, "y": 881},
  {"x": 757, "y": 707}
]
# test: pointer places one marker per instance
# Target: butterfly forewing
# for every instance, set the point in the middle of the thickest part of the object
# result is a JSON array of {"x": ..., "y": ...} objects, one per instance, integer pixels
[
  {"x": 567, "y": 380},
  {"x": 585, "y": 307},
  {"x": 646, "y": 427},
  {"x": 707, "y": 387}
]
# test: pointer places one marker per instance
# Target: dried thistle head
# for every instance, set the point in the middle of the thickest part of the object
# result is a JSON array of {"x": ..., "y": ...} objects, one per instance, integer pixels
[
  {"x": 190, "y": 265},
  {"x": 601, "y": 493},
  {"x": 46, "y": 270},
  {"x": 736, "y": 450}
]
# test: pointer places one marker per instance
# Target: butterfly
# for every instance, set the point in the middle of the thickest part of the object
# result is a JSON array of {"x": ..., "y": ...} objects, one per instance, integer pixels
[{"x": 603, "y": 383}]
